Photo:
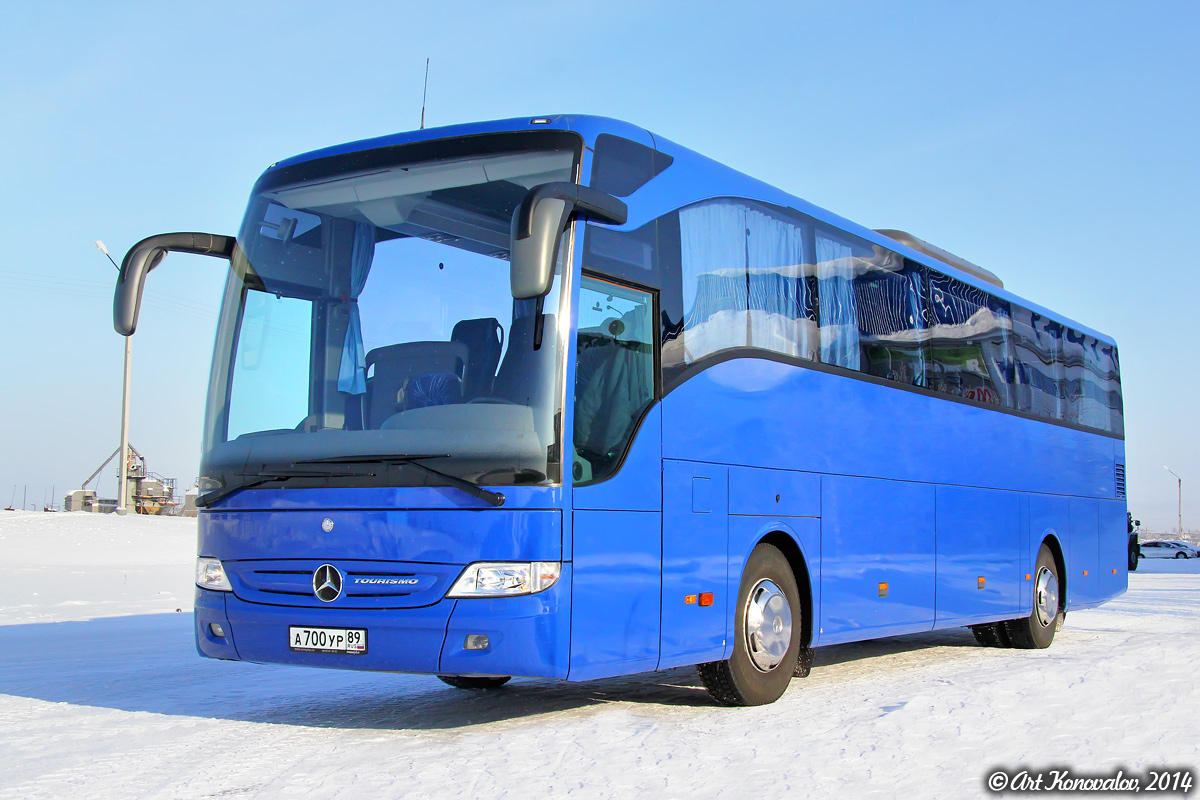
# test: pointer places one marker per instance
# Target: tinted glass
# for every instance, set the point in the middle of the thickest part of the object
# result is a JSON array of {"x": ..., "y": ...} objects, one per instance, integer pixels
[
  {"x": 889, "y": 296},
  {"x": 1037, "y": 348},
  {"x": 621, "y": 167},
  {"x": 968, "y": 341},
  {"x": 759, "y": 277}
]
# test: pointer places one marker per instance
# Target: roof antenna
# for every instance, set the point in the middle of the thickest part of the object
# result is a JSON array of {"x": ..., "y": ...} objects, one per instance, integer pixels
[{"x": 424, "y": 94}]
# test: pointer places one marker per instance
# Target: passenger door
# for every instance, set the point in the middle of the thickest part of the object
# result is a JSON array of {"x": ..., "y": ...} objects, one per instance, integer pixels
[{"x": 616, "y": 470}]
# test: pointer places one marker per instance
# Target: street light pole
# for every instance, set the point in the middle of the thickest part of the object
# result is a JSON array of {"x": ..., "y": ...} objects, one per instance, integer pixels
[
  {"x": 123, "y": 463},
  {"x": 1180, "y": 487}
]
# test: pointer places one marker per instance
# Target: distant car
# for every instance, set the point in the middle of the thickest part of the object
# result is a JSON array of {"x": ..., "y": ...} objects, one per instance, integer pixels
[
  {"x": 1167, "y": 550},
  {"x": 1188, "y": 547}
]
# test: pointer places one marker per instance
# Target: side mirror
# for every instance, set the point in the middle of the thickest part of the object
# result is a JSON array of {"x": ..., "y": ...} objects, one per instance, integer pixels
[
  {"x": 537, "y": 226},
  {"x": 148, "y": 254}
]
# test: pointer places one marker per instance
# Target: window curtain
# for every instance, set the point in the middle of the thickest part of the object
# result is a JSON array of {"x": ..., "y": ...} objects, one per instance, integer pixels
[
  {"x": 743, "y": 281},
  {"x": 835, "y": 295},
  {"x": 776, "y": 261},
  {"x": 352, "y": 372},
  {"x": 713, "y": 242}
]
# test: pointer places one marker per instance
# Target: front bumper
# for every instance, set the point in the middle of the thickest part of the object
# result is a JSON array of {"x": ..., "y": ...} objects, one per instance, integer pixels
[{"x": 528, "y": 636}]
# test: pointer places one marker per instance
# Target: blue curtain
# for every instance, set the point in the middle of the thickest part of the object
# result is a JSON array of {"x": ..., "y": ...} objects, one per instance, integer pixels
[{"x": 352, "y": 373}]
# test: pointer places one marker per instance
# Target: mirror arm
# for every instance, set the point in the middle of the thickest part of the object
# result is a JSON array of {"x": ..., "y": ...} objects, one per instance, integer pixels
[
  {"x": 148, "y": 254},
  {"x": 596, "y": 204}
]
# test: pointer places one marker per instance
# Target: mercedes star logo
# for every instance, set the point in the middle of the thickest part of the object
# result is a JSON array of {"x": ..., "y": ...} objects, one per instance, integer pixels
[{"x": 327, "y": 583}]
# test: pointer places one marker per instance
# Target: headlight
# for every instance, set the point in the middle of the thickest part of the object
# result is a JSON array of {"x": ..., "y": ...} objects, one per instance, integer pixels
[
  {"x": 211, "y": 575},
  {"x": 503, "y": 579}
]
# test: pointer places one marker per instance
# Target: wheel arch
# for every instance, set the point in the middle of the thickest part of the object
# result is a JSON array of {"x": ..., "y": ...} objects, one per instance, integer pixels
[{"x": 790, "y": 547}]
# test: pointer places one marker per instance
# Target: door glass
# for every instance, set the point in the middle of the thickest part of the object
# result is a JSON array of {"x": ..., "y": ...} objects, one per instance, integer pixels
[{"x": 614, "y": 374}]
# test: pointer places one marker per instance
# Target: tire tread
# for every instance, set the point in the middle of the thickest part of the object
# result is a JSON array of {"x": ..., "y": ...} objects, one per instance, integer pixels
[{"x": 718, "y": 681}]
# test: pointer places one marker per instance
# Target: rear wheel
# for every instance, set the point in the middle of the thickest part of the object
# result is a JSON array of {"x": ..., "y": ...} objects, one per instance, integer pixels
[
  {"x": 1037, "y": 630},
  {"x": 767, "y": 626},
  {"x": 1181, "y": 554},
  {"x": 475, "y": 681}
]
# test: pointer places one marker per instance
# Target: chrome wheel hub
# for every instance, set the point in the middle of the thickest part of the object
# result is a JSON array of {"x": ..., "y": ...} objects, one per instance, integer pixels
[
  {"x": 768, "y": 625},
  {"x": 1045, "y": 597}
]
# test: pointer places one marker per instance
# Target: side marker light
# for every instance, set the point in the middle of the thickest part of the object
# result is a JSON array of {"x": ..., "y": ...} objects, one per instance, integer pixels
[
  {"x": 706, "y": 598},
  {"x": 689, "y": 599},
  {"x": 1085, "y": 572},
  {"x": 883, "y": 590},
  {"x": 1028, "y": 577},
  {"x": 981, "y": 581}
]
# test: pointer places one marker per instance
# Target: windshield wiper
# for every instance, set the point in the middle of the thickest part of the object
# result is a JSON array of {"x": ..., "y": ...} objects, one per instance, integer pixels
[
  {"x": 259, "y": 478},
  {"x": 462, "y": 484}
]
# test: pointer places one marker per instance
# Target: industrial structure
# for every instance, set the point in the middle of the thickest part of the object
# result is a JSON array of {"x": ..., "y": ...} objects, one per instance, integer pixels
[{"x": 147, "y": 492}]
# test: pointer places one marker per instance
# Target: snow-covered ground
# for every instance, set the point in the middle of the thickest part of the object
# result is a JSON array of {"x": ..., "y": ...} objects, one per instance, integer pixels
[{"x": 102, "y": 695}]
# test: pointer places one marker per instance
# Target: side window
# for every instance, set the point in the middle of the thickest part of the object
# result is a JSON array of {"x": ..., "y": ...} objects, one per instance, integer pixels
[
  {"x": 872, "y": 309},
  {"x": 889, "y": 299},
  {"x": 1037, "y": 347},
  {"x": 614, "y": 374},
  {"x": 1099, "y": 401},
  {"x": 1110, "y": 365},
  {"x": 837, "y": 309},
  {"x": 746, "y": 282},
  {"x": 968, "y": 342}
]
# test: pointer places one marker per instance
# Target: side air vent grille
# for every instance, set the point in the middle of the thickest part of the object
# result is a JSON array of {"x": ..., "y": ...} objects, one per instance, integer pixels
[{"x": 1121, "y": 481}]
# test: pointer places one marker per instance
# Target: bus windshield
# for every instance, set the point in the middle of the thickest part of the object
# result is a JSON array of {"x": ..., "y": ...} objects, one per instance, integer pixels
[{"x": 368, "y": 316}]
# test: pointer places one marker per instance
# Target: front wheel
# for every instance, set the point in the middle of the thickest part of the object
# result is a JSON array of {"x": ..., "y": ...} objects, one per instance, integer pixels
[
  {"x": 766, "y": 647},
  {"x": 1037, "y": 630},
  {"x": 475, "y": 681},
  {"x": 1181, "y": 555}
]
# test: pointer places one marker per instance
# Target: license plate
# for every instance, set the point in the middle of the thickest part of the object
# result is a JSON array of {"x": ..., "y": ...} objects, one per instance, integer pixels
[{"x": 328, "y": 640}]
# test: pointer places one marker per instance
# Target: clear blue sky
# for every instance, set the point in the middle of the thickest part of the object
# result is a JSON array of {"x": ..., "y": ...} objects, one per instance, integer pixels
[{"x": 1054, "y": 143}]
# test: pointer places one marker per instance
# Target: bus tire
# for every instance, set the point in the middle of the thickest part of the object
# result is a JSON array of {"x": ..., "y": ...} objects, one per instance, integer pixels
[
  {"x": 988, "y": 635},
  {"x": 475, "y": 681},
  {"x": 766, "y": 637},
  {"x": 1036, "y": 631}
]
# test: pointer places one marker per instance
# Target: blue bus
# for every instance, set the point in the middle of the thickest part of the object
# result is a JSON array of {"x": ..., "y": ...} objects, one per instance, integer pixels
[{"x": 787, "y": 430}]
